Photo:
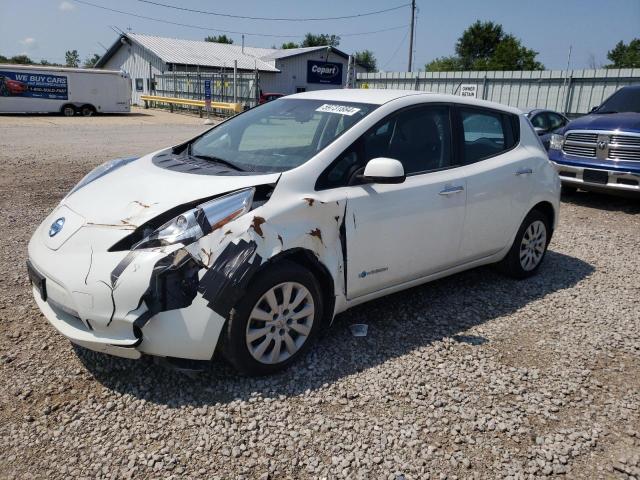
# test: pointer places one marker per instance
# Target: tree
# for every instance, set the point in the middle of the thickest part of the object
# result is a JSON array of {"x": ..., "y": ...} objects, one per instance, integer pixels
[
  {"x": 3, "y": 59},
  {"x": 287, "y": 45},
  {"x": 320, "y": 40},
  {"x": 510, "y": 54},
  {"x": 72, "y": 58},
  {"x": 219, "y": 39},
  {"x": 20, "y": 60},
  {"x": 444, "y": 64},
  {"x": 485, "y": 46},
  {"x": 91, "y": 61},
  {"x": 478, "y": 42},
  {"x": 625, "y": 56},
  {"x": 367, "y": 60}
]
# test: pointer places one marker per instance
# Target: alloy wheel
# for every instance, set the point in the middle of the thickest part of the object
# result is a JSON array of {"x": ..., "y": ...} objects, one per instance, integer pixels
[
  {"x": 532, "y": 245},
  {"x": 280, "y": 323}
]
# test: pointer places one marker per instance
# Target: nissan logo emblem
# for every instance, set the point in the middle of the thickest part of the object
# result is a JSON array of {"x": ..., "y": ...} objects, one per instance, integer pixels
[{"x": 56, "y": 227}]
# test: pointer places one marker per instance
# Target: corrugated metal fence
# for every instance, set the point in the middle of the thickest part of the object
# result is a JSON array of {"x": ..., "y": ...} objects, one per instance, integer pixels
[{"x": 571, "y": 91}]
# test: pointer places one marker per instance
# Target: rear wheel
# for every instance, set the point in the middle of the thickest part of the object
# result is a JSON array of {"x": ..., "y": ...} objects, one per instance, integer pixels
[
  {"x": 87, "y": 110},
  {"x": 275, "y": 322},
  {"x": 529, "y": 247},
  {"x": 68, "y": 110}
]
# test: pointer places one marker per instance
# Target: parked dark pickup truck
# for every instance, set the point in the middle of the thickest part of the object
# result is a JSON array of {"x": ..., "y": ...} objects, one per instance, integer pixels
[{"x": 601, "y": 151}]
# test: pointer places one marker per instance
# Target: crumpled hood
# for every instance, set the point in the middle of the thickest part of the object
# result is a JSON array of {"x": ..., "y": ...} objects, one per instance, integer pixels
[
  {"x": 139, "y": 191},
  {"x": 627, "y": 121}
]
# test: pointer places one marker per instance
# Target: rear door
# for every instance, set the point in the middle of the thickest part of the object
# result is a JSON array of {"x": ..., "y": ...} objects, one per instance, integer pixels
[{"x": 498, "y": 179}]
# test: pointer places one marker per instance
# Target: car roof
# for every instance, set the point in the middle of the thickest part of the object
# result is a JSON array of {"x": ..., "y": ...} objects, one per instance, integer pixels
[{"x": 382, "y": 96}]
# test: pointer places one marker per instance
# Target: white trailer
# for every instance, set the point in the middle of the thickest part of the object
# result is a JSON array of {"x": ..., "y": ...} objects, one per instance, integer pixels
[{"x": 70, "y": 91}]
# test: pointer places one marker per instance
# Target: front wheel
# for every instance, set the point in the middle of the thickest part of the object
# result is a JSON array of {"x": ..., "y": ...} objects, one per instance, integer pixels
[
  {"x": 529, "y": 247},
  {"x": 275, "y": 322}
]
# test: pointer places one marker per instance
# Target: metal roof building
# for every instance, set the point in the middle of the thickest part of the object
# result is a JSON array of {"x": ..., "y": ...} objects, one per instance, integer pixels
[{"x": 281, "y": 71}]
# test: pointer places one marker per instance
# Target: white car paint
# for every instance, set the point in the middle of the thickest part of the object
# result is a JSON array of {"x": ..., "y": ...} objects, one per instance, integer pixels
[{"x": 397, "y": 235}]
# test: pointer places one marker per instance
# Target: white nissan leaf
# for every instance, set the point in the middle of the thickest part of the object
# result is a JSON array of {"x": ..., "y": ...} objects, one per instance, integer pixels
[{"x": 251, "y": 237}]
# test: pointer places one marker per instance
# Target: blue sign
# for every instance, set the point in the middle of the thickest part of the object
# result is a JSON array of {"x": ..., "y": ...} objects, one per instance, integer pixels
[
  {"x": 34, "y": 85},
  {"x": 207, "y": 89},
  {"x": 328, "y": 73}
]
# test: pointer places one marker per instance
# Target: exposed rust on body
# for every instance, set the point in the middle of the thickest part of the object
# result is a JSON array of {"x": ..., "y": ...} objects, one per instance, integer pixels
[
  {"x": 309, "y": 201},
  {"x": 143, "y": 205},
  {"x": 256, "y": 224},
  {"x": 316, "y": 233}
]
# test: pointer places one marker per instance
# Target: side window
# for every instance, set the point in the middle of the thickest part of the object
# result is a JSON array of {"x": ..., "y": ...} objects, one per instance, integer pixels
[
  {"x": 540, "y": 121},
  {"x": 484, "y": 134},
  {"x": 419, "y": 137},
  {"x": 555, "y": 121}
]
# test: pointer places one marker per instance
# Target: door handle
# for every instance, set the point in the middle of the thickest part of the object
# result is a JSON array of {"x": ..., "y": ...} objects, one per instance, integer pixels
[
  {"x": 524, "y": 171},
  {"x": 450, "y": 189}
]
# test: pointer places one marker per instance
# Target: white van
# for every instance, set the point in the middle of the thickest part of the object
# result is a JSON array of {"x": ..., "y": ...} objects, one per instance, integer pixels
[{"x": 70, "y": 91}]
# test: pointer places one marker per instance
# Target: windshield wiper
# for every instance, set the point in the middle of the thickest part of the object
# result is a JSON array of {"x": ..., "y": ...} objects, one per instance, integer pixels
[{"x": 221, "y": 161}]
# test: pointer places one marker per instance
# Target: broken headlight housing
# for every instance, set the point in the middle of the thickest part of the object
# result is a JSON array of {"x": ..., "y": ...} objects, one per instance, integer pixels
[
  {"x": 101, "y": 171},
  {"x": 200, "y": 221}
]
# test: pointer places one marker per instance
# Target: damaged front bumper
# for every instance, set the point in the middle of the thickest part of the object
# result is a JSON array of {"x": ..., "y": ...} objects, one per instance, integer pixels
[{"x": 121, "y": 303}]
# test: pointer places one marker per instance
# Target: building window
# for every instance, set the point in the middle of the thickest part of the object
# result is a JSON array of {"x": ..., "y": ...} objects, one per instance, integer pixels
[
  {"x": 139, "y": 84},
  {"x": 300, "y": 89}
]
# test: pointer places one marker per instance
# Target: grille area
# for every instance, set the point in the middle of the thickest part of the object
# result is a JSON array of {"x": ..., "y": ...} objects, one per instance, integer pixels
[
  {"x": 625, "y": 140},
  {"x": 579, "y": 150},
  {"x": 582, "y": 137},
  {"x": 626, "y": 154},
  {"x": 603, "y": 145}
]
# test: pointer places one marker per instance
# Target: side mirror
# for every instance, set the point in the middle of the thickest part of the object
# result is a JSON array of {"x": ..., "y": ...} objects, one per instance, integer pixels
[
  {"x": 384, "y": 170},
  {"x": 593, "y": 109},
  {"x": 540, "y": 130}
]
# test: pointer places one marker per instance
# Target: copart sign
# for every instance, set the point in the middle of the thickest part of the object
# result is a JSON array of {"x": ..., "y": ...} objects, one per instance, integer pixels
[
  {"x": 34, "y": 85},
  {"x": 324, "y": 72}
]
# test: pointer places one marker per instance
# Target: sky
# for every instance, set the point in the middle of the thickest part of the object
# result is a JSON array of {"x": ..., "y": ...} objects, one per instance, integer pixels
[{"x": 45, "y": 29}]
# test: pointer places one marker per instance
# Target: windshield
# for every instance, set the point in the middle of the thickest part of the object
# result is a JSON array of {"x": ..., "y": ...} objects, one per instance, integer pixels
[
  {"x": 279, "y": 135},
  {"x": 624, "y": 100}
]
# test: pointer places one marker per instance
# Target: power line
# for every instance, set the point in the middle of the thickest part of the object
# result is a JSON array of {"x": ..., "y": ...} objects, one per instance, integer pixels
[
  {"x": 406, "y": 33},
  {"x": 209, "y": 29},
  {"x": 278, "y": 19}
]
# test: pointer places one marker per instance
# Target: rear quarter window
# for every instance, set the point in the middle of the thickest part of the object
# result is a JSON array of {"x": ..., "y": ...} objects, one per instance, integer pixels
[{"x": 487, "y": 133}]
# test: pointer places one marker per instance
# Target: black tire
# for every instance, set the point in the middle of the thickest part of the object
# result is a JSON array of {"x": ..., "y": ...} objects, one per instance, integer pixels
[
  {"x": 87, "y": 110},
  {"x": 234, "y": 343},
  {"x": 511, "y": 264},
  {"x": 68, "y": 110}
]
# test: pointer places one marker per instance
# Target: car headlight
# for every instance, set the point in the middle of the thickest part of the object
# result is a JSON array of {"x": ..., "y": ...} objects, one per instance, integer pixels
[
  {"x": 556, "y": 142},
  {"x": 101, "y": 171},
  {"x": 200, "y": 221}
]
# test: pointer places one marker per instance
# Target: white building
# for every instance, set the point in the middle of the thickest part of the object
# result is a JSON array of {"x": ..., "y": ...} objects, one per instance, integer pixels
[{"x": 281, "y": 71}]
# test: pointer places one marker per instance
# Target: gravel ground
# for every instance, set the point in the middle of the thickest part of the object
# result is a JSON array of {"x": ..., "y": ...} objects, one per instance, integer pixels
[{"x": 474, "y": 376}]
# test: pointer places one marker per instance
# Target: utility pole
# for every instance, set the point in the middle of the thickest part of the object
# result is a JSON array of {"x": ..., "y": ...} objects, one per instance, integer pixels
[{"x": 413, "y": 21}]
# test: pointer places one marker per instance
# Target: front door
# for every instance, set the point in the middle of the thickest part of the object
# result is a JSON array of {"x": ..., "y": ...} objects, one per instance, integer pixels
[{"x": 401, "y": 232}]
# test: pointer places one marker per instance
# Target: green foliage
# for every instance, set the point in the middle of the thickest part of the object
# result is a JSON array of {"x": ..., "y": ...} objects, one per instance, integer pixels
[
  {"x": 288, "y": 45},
  {"x": 219, "y": 39},
  {"x": 478, "y": 43},
  {"x": 17, "y": 59},
  {"x": 444, "y": 64},
  {"x": 320, "y": 40},
  {"x": 485, "y": 46},
  {"x": 91, "y": 61},
  {"x": 72, "y": 58},
  {"x": 367, "y": 60},
  {"x": 625, "y": 56}
]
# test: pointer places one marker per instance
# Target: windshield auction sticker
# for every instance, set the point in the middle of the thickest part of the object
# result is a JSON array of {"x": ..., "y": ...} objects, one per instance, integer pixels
[{"x": 339, "y": 109}]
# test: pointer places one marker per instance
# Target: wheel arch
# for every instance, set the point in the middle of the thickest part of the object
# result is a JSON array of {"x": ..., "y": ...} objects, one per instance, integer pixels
[
  {"x": 546, "y": 208},
  {"x": 308, "y": 259}
]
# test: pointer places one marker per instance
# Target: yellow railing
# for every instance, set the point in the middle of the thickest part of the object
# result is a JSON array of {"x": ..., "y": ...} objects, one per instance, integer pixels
[{"x": 151, "y": 99}]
